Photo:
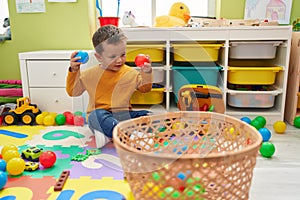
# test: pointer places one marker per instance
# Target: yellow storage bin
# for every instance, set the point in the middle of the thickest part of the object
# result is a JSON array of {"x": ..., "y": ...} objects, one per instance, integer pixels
[
  {"x": 196, "y": 52},
  {"x": 155, "y": 96},
  {"x": 298, "y": 100},
  {"x": 155, "y": 51},
  {"x": 252, "y": 75}
]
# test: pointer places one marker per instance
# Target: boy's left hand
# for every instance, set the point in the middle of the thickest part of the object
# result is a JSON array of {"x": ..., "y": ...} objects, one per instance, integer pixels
[{"x": 147, "y": 68}]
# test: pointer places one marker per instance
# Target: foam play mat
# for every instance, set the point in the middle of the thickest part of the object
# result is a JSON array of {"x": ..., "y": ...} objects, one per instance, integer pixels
[{"x": 93, "y": 173}]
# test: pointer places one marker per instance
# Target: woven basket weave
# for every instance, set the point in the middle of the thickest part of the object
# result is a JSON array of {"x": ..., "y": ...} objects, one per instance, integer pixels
[{"x": 187, "y": 155}]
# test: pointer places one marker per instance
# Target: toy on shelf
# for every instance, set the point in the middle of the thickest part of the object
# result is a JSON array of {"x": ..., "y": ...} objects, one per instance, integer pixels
[
  {"x": 197, "y": 97},
  {"x": 129, "y": 19},
  {"x": 179, "y": 15},
  {"x": 24, "y": 111}
]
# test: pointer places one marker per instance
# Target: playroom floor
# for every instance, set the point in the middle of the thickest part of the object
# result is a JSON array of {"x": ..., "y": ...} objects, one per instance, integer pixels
[{"x": 101, "y": 175}]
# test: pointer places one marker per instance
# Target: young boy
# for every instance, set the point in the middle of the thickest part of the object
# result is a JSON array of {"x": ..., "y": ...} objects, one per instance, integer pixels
[{"x": 110, "y": 84}]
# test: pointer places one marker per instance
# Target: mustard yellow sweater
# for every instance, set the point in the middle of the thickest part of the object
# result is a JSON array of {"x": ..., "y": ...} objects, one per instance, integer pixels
[{"x": 108, "y": 90}]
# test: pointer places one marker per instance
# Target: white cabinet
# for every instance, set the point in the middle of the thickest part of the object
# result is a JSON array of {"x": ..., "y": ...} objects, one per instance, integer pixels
[
  {"x": 44, "y": 72},
  {"x": 44, "y": 75}
]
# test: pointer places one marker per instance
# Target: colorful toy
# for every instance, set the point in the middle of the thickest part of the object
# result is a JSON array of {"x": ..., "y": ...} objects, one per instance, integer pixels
[
  {"x": 84, "y": 57},
  {"x": 279, "y": 127},
  {"x": 140, "y": 59},
  {"x": 62, "y": 180},
  {"x": 31, "y": 166},
  {"x": 70, "y": 119},
  {"x": 256, "y": 124},
  {"x": 297, "y": 122},
  {"x": 267, "y": 149},
  {"x": 40, "y": 119},
  {"x": 60, "y": 119},
  {"x": 78, "y": 120},
  {"x": 265, "y": 133},
  {"x": 246, "y": 119},
  {"x": 2, "y": 165},
  {"x": 15, "y": 166},
  {"x": 49, "y": 120},
  {"x": 24, "y": 111},
  {"x": 8, "y": 147},
  {"x": 3, "y": 179},
  {"x": 261, "y": 119},
  {"x": 179, "y": 15},
  {"x": 32, "y": 154},
  {"x": 9, "y": 154},
  {"x": 129, "y": 19},
  {"x": 48, "y": 159}
]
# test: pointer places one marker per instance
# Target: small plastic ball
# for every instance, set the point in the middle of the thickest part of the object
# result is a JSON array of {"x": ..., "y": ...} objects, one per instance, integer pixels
[
  {"x": 2, "y": 165},
  {"x": 267, "y": 149},
  {"x": 60, "y": 119},
  {"x": 297, "y": 122},
  {"x": 246, "y": 119},
  {"x": 40, "y": 119},
  {"x": 49, "y": 120},
  {"x": 257, "y": 124},
  {"x": 66, "y": 113},
  {"x": 9, "y": 154},
  {"x": 45, "y": 113},
  {"x": 78, "y": 120},
  {"x": 84, "y": 57},
  {"x": 265, "y": 133},
  {"x": 261, "y": 119},
  {"x": 15, "y": 166},
  {"x": 279, "y": 127},
  {"x": 3, "y": 179},
  {"x": 78, "y": 113},
  {"x": 48, "y": 159},
  {"x": 8, "y": 147},
  {"x": 70, "y": 119}
]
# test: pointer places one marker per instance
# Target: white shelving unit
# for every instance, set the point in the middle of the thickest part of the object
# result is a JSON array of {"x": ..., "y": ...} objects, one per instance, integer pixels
[{"x": 43, "y": 72}]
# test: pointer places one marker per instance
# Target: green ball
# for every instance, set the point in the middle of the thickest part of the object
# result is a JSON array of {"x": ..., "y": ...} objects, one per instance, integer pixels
[
  {"x": 78, "y": 113},
  {"x": 261, "y": 119},
  {"x": 297, "y": 122},
  {"x": 257, "y": 124},
  {"x": 267, "y": 149},
  {"x": 60, "y": 119}
]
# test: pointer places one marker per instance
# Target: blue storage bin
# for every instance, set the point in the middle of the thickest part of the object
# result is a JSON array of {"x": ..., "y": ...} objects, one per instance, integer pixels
[{"x": 194, "y": 75}]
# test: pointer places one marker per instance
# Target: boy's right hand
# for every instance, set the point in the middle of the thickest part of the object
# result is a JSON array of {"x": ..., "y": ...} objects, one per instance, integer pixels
[{"x": 74, "y": 65}]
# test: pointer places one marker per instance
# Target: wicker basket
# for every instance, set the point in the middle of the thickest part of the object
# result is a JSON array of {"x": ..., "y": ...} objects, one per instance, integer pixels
[{"x": 187, "y": 155}]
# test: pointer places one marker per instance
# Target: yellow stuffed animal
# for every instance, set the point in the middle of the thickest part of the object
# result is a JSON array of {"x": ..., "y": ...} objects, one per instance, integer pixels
[{"x": 179, "y": 15}]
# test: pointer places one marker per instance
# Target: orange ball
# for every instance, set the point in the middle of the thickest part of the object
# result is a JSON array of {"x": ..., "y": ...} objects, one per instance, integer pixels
[{"x": 15, "y": 166}]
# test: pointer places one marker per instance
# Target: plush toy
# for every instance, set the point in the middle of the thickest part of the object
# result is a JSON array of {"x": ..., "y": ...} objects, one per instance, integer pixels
[
  {"x": 129, "y": 19},
  {"x": 7, "y": 34},
  {"x": 179, "y": 15}
]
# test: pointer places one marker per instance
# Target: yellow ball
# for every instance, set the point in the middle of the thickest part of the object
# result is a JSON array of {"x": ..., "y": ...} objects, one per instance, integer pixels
[
  {"x": 40, "y": 119},
  {"x": 45, "y": 113},
  {"x": 15, "y": 166},
  {"x": 9, "y": 154},
  {"x": 49, "y": 120},
  {"x": 8, "y": 147},
  {"x": 279, "y": 127}
]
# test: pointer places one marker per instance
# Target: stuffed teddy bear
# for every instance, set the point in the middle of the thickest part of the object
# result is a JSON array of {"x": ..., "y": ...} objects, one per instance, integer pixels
[
  {"x": 129, "y": 19},
  {"x": 179, "y": 15},
  {"x": 7, "y": 34}
]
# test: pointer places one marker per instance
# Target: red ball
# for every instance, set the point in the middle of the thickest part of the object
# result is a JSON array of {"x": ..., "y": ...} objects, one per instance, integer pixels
[
  {"x": 140, "y": 59},
  {"x": 78, "y": 120},
  {"x": 70, "y": 119},
  {"x": 66, "y": 113},
  {"x": 48, "y": 159}
]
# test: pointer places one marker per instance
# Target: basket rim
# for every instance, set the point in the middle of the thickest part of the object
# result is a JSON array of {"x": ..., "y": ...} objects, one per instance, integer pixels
[{"x": 247, "y": 150}]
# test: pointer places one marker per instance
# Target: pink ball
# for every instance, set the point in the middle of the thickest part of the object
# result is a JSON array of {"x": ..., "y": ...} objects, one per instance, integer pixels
[
  {"x": 78, "y": 120},
  {"x": 48, "y": 159}
]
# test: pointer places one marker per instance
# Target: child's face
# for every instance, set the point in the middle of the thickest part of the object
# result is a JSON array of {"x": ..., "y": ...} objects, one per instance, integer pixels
[{"x": 113, "y": 56}]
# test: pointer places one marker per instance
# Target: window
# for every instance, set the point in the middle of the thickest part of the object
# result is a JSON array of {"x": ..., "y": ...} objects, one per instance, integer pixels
[
  {"x": 3, "y": 14},
  {"x": 146, "y": 10}
]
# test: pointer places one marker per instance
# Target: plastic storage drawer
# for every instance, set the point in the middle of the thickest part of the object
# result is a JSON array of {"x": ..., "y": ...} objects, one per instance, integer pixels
[
  {"x": 251, "y": 99},
  {"x": 252, "y": 75},
  {"x": 253, "y": 49},
  {"x": 196, "y": 52},
  {"x": 155, "y": 96},
  {"x": 194, "y": 75},
  {"x": 158, "y": 75},
  {"x": 155, "y": 51}
]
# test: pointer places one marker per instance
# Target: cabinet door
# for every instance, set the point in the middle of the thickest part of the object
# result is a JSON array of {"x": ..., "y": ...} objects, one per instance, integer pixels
[
  {"x": 47, "y": 73},
  {"x": 55, "y": 100}
]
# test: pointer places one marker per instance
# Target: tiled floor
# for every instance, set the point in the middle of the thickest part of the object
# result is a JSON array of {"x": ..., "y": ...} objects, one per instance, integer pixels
[{"x": 278, "y": 178}]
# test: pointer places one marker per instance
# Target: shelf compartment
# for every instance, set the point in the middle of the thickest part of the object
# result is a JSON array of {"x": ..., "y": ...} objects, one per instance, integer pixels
[
  {"x": 253, "y": 49},
  {"x": 253, "y": 75},
  {"x": 155, "y": 96},
  {"x": 155, "y": 51}
]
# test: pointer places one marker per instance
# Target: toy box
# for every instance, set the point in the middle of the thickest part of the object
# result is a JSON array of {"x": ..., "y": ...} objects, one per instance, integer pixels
[{"x": 155, "y": 96}]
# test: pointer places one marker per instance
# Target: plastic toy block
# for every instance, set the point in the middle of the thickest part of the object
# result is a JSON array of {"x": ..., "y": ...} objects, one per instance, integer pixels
[{"x": 62, "y": 180}]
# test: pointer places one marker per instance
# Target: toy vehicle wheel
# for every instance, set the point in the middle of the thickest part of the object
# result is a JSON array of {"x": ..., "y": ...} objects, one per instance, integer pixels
[
  {"x": 28, "y": 118},
  {"x": 10, "y": 118}
]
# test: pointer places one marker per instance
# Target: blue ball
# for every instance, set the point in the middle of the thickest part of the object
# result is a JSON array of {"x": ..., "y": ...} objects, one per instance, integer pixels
[
  {"x": 265, "y": 133},
  {"x": 2, "y": 165},
  {"x": 246, "y": 119},
  {"x": 84, "y": 57},
  {"x": 3, "y": 179}
]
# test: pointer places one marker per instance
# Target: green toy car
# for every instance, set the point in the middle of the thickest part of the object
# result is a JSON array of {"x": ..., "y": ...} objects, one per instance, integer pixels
[
  {"x": 31, "y": 166},
  {"x": 32, "y": 154}
]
